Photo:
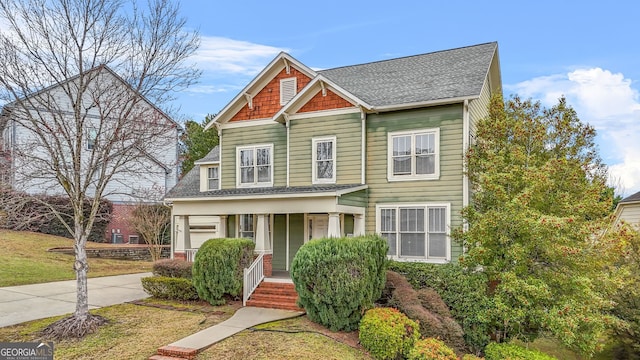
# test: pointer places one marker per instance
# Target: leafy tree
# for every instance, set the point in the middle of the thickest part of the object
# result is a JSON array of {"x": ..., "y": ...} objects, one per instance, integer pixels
[
  {"x": 68, "y": 43},
  {"x": 196, "y": 142},
  {"x": 538, "y": 221}
]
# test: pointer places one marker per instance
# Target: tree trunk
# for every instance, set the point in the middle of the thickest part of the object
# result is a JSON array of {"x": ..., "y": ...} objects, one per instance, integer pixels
[{"x": 81, "y": 266}]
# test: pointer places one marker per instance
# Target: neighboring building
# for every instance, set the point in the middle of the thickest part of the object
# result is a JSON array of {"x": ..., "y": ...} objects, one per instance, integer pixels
[
  {"x": 370, "y": 148},
  {"x": 628, "y": 210},
  {"x": 155, "y": 165}
]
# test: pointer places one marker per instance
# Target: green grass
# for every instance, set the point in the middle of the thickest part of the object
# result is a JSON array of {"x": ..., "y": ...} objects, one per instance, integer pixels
[
  {"x": 136, "y": 332},
  {"x": 25, "y": 260}
]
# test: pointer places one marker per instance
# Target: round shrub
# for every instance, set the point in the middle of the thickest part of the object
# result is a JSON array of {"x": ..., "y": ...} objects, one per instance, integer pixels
[
  {"x": 431, "y": 349},
  {"x": 169, "y": 288},
  {"x": 387, "y": 333},
  {"x": 502, "y": 351},
  {"x": 218, "y": 268},
  {"x": 173, "y": 268},
  {"x": 337, "y": 279}
]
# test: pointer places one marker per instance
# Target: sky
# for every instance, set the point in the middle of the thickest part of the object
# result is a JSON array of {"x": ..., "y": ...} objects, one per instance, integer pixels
[{"x": 588, "y": 51}]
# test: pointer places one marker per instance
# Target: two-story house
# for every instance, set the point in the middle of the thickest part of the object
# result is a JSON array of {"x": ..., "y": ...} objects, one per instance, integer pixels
[
  {"x": 369, "y": 148},
  {"x": 124, "y": 137}
]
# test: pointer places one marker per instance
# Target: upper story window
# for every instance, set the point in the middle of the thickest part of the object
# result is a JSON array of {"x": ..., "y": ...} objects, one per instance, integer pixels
[
  {"x": 287, "y": 90},
  {"x": 213, "y": 178},
  {"x": 255, "y": 165},
  {"x": 414, "y": 155},
  {"x": 92, "y": 135},
  {"x": 415, "y": 231},
  {"x": 324, "y": 160}
]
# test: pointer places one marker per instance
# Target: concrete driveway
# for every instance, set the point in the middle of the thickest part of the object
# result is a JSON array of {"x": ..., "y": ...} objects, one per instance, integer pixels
[{"x": 30, "y": 302}]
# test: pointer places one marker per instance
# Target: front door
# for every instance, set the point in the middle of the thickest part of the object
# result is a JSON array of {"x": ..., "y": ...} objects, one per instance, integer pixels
[{"x": 318, "y": 226}]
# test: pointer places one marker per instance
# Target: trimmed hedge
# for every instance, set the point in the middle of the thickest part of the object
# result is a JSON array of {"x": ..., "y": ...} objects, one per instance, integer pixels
[
  {"x": 431, "y": 349},
  {"x": 387, "y": 333},
  {"x": 171, "y": 288},
  {"x": 173, "y": 268},
  {"x": 218, "y": 268},
  {"x": 464, "y": 292},
  {"x": 337, "y": 279},
  {"x": 503, "y": 351},
  {"x": 35, "y": 216}
]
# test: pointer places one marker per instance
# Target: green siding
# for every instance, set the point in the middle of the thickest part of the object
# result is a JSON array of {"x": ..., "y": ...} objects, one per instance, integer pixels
[
  {"x": 275, "y": 134},
  {"x": 447, "y": 189},
  {"x": 279, "y": 260},
  {"x": 296, "y": 234},
  {"x": 347, "y": 128},
  {"x": 478, "y": 108},
  {"x": 358, "y": 198}
]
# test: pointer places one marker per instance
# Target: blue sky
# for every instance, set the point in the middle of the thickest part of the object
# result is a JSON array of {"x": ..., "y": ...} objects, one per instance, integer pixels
[{"x": 587, "y": 50}]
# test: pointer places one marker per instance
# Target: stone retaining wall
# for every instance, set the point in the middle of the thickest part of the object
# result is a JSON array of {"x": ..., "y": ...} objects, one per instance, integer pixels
[{"x": 125, "y": 252}]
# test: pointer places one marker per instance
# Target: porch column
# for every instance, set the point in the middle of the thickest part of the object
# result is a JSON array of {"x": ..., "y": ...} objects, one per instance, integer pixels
[
  {"x": 263, "y": 245},
  {"x": 358, "y": 224},
  {"x": 334, "y": 225},
  {"x": 222, "y": 230},
  {"x": 183, "y": 233}
]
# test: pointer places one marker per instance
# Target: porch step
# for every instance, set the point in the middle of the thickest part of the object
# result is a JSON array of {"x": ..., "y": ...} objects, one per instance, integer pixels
[
  {"x": 174, "y": 353},
  {"x": 275, "y": 296}
]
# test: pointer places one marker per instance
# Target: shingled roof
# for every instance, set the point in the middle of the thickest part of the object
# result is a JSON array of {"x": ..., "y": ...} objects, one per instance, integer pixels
[
  {"x": 446, "y": 74},
  {"x": 633, "y": 198}
]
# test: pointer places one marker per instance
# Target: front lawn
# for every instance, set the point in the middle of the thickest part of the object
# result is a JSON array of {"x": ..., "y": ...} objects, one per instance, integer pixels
[
  {"x": 137, "y": 331},
  {"x": 25, "y": 260}
]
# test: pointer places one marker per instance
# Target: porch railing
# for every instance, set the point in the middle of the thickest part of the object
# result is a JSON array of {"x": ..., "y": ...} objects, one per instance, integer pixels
[
  {"x": 191, "y": 254},
  {"x": 253, "y": 276}
]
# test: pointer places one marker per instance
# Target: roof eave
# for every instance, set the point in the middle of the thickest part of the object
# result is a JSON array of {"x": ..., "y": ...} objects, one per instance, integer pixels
[{"x": 421, "y": 104}]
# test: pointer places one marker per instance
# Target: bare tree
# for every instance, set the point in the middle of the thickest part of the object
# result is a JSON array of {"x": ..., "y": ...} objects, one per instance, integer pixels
[
  {"x": 79, "y": 79},
  {"x": 152, "y": 220}
]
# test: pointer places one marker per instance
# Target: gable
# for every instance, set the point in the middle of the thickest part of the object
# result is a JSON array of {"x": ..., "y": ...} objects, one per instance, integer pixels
[
  {"x": 327, "y": 101},
  {"x": 266, "y": 103}
]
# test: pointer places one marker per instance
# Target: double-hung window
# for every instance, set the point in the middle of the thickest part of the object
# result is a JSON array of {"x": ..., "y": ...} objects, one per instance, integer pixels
[
  {"x": 213, "y": 178},
  {"x": 413, "y": 155},
  {"x": 255, "y": 165},
  {"x": 246, "y": 228},
  {"x": 92, "y": 137},
  {"x": 416, "y": 232},
  {"x": 324, "y": 160}
]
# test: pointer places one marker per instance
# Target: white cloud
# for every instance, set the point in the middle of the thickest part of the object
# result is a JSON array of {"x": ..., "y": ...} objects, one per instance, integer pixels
[
  {"x": 223, "y": 55},
  {"x": 607, "y": 101}
]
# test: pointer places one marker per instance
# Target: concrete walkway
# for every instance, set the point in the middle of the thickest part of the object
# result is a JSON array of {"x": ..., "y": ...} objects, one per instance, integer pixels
[
  {"x": 30, "y": 302},
  {"x": 243, "y": 319}
]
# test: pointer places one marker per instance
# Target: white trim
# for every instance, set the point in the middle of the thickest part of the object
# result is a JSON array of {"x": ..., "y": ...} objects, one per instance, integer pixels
[
  {"x": 247, "y": 123},
  {"x": 286, "y": 82},
  {"x": 363, "y": 144},
  {"x": 255, "y": 183},
  {"x": 273, "y": 196},
  {"x": 321, "y": 113},
  {"x": 209, "y": 178},
  {"x": 413, "y": 176},
  {"x": 421, "y": 104},
  {"x": 288, "y": 126},
  {"x": 286, "y": 261},
  {"x": 314, "y": 167},
  {"x": 465, "y": 146},
  {"x": 426, "y": 206}
]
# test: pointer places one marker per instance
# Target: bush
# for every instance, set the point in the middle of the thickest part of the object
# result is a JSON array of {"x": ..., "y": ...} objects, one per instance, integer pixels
[
  {"x": 464, "y": 292},
  {"x": 431, "y": 349},
  {"x": 432, "y": 324},
  {"x": 387, "y": 333},
  {"x": 35, "y": 216},
  {"x": 173, "y": 268},
  {"x": 337, "y": 279},
  {"x": 171, "y": 288},
  {"x": 218, "y": 268},
  {"x": 504, "y": 351},
  {"x": 471, "y": 357}
]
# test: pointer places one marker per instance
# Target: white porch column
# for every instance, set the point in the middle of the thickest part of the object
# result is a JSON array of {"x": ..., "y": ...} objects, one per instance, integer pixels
[
  {"x": 358, "y": 225},
  {"x": 263, "y": 245},
  {"x": 183, "y": 233},
  {"x": 334, "y": 225},
  {"x": 222, "y": 230}
]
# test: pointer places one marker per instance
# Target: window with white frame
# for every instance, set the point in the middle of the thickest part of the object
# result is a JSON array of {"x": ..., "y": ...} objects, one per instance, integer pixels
[
  {"x": 246, "y": 227},
  {"x": 255, "y": 165},
  {"x": 414, "y": 155},
  {"x": 287, "y": 90},
  {"x": 417, "y": 231},
  {"x": 92, "y": 135},
  {"x": 213, "y": 178},
  {"x": 324, "y": 160}
]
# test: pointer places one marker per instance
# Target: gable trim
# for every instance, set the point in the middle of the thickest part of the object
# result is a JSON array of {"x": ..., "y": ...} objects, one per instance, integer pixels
[
  {"x": 246, "y": 123},
  {"x": 322, "y": 113}
]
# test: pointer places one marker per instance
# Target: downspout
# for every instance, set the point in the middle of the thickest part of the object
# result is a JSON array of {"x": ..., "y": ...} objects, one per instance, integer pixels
[
  {"x": 465, "y": 146},
  {"x": 287, "y": 124},
  {"x": 363, "y": 141},
  {"x": 219, "y": 128}
]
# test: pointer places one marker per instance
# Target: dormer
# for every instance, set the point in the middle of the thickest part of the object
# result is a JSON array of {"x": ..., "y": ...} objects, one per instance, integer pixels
[{"x": 209, "y": 170}]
